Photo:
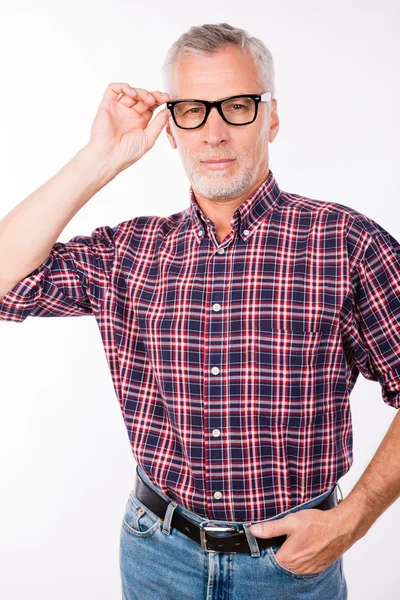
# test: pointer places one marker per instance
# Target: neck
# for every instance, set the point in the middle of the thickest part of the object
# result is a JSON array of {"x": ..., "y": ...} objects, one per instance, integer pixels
[{"x": 220, "y": 210}]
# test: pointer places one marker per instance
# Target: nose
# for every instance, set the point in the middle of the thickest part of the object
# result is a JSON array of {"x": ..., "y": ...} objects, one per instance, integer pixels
[{"x": 215, "y": 128}]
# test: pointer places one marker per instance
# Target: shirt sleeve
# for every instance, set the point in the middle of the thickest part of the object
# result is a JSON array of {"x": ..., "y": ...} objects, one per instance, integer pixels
[
  {"x": 71, "y": 282},
  {"x": 374, "y": 333}
]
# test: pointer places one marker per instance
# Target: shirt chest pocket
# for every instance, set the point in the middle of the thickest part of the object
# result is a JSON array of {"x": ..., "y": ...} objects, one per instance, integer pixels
[{"x": 291, "y": 373}]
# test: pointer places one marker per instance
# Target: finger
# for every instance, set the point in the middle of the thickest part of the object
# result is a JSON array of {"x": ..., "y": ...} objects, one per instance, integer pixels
[
  {"x": 114, "y": 90},
  {"x": 161, "y": 97},
  {"x": 146, "y": 108},
  {"x": 141, "y": 101},
  {"x": 270, "y": 528},
  {"x": 155, "y": 99},
  {"x": 126, "y": 100},
  {"x": 155, "y": 127},
  {"x": 150, "y": 113},
  {"x": 145, "y": 100},
  {"x": 125, "y": 94},
  {"x": 147, "y": 115}
]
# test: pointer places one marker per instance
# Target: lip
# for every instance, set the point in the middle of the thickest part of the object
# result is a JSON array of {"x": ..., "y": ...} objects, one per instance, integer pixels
[
  {"x": 215, "y": 165},
  {"x": 220, "y": 160}
]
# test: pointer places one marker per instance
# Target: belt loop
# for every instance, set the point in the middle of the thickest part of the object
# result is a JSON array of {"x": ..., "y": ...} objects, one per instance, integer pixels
[
  {"x": 251, "y": 540},
  {"x": 168, "y": 517},
  {"x": 341, "y": 493}
]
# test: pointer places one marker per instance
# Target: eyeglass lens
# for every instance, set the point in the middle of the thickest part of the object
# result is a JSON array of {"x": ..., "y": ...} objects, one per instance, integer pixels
[{"x": 238, "y": 110}]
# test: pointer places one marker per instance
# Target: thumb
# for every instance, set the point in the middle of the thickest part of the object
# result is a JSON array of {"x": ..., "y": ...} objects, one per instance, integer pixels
[
  {"x": 270, "y": 529},
  {"x": 155, "y": 126}
]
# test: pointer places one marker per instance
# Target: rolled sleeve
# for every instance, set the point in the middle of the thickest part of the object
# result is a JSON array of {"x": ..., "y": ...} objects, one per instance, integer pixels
[
  {"x": 71, "y": 281},
  {"x": 374, "y": 338}
]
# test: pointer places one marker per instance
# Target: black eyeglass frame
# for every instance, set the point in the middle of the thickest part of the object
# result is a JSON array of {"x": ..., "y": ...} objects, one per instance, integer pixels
[{"x": 265, "y": 97}]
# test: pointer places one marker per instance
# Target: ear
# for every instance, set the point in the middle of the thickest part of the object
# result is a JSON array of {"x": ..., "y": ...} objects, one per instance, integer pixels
[
  {"x": 170, "y": 135},
  {"x": 274, "y": 121}
]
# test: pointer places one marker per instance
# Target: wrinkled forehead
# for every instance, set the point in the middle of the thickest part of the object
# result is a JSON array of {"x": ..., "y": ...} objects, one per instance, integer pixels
[{"x": 212, "y": 77}]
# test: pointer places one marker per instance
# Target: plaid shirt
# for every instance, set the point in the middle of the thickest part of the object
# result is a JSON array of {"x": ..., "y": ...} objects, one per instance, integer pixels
[{"x": 233, "y": 362}]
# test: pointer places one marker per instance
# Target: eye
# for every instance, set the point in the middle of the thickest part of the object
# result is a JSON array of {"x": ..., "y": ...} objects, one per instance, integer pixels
[
  {"x": 192, "y": 109},
  {"x": 245, "y": 105}
]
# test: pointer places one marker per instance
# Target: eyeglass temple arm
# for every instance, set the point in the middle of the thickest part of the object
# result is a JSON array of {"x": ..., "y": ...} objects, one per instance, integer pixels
[{"x": 266, "y": 96}]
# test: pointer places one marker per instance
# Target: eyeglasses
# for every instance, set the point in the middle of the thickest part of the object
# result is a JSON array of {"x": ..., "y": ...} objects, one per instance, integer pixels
[{"x": 235, "y": 110}]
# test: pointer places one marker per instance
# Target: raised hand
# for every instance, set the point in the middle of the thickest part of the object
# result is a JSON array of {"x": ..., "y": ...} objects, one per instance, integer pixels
[{"x": 122, "y": 129}]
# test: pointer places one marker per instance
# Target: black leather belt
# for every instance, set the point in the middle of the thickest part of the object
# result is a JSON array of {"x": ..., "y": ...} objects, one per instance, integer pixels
[{"x": 234, "y": 542}]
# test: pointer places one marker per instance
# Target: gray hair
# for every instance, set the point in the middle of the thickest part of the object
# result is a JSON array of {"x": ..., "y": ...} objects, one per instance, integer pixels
[{"x": 208, "y": 39}]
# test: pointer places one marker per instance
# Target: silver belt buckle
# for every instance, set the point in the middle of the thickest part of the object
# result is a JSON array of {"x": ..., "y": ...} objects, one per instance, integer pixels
[{"x": 203, "y": 536}]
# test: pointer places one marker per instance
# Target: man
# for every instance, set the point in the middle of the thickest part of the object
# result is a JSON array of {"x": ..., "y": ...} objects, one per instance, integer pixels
[{"x": 234, "y": 330}]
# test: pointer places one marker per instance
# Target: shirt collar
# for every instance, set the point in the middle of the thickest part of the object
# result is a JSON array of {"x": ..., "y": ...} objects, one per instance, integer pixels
[{"x": 245, "y": 218}]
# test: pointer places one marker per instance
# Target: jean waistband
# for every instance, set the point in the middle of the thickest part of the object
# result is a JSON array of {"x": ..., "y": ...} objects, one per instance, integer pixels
[{"x": 197, "y": 519}]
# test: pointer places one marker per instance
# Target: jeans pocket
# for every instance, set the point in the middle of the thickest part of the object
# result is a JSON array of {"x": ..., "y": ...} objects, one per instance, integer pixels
[
  {"x": 272, "y": 550},
  {"x": 138, "y": 519}
]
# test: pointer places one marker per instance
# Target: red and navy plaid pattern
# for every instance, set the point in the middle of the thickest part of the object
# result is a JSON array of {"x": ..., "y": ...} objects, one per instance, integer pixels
[{"x": 233, "y": 362}]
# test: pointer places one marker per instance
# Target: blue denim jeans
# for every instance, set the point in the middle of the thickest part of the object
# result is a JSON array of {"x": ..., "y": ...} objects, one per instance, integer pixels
[{"x": 158, "y": 562}]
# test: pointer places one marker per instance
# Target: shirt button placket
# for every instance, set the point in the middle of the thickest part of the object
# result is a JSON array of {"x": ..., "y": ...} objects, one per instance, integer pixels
[{"x": 214, "y": 392}]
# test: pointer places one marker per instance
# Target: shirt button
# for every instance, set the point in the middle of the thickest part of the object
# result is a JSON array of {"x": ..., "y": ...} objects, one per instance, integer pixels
[
  {"x": 216, "y": 432},
  {"x": 221, "y": 250},
  {"x": 216, "y": 307},
  {"x": 200, "y": 232},
  {"x": 246, "y": 232},
  {"x": 217, "y": 495},
  {"x": 215, "y": 370}
]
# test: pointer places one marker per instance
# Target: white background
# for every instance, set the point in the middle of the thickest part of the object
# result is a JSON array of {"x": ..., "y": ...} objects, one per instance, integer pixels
[{"x": 66, "y": 467}]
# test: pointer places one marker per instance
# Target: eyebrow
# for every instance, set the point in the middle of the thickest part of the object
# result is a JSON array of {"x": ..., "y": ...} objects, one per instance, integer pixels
[{"x": 202, "y": 100}]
